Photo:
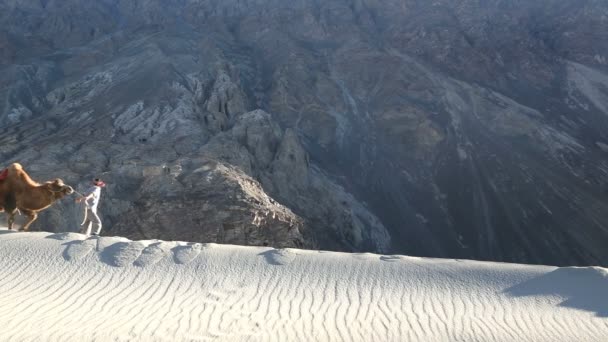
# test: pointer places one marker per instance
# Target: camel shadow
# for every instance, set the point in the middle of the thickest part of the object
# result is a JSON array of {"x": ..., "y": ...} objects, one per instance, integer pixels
[
  {"x": 6, "y": 231},
  {"x": 584, "y": 288},
  {"x": 66, "y": 236}
]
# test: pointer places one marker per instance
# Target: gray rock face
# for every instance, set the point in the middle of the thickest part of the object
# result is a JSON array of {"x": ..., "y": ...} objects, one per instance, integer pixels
[{"x": 441, "y": 128}]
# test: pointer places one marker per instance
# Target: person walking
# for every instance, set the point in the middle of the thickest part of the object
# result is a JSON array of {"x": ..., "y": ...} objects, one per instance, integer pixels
[{"x": 91, "y": 200}]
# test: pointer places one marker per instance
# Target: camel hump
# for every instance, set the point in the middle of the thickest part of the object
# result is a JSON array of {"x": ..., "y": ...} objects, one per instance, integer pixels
[
  {"x": 13, "y": 168},
  {"x": 16, "y": 167},
  {"x": 16, "y": 173}
]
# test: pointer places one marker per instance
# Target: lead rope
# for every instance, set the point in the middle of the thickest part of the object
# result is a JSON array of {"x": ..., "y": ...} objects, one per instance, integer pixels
[{"x": 84, "y": 207}]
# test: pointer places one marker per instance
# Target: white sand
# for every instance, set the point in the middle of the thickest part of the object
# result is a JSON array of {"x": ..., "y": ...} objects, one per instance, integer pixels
[{"x": 59, "y": 287}]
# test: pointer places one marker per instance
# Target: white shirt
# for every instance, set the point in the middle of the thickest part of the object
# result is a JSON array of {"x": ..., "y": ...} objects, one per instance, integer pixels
[{"x": 94, "y": 200}]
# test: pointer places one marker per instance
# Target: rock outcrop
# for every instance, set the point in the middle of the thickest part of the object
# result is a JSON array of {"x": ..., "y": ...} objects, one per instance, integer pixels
[{"x": 457, "y": 129}]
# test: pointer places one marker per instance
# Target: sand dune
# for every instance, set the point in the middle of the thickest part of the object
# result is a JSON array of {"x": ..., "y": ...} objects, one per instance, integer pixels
[{"x": 63, "y": 287}]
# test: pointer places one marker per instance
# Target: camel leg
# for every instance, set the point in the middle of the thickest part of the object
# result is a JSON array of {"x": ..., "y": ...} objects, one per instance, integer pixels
[
  {"x": 11, "y": 218},
  {"x": 31, "y": 217}
]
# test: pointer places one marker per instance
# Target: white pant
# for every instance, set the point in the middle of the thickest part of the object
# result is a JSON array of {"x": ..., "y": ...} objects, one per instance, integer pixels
[{"x": 91, "y": 218}]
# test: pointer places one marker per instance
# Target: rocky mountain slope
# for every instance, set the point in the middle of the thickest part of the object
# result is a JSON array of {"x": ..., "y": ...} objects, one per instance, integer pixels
[{"x": 469, "y": 129}]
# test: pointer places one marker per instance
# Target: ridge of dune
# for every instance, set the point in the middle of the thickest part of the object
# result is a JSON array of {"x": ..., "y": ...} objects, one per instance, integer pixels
[{"x": 66, "y": 287}]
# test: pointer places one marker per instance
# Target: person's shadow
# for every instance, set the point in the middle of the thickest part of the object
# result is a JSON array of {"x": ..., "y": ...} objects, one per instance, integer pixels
[{"x": 584, "y": 288}]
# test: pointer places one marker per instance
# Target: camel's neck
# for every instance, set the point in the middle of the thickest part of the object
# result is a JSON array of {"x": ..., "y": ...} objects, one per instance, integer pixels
[{"x": 55, "y": 196}]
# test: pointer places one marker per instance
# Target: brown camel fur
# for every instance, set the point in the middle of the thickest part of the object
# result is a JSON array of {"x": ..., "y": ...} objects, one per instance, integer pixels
[{"x": 19, "y": 192}]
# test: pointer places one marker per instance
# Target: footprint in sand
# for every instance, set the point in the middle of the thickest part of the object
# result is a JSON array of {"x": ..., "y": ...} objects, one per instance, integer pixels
[
  {"x": 364, "y": 256},
  {"x": 283, "y": 256},
  {"x": 78, "y": 249},
  {"x": 122, "y": 254},
  {"x": 185, "y": 254},
  {"x": 104, "y": 242},
  {"x": 150, "y": 255},
  {"x": 392, "y": 258}
]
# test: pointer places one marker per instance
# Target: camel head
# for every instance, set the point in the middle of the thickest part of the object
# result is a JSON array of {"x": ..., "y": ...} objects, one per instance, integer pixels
[{"x": 58, "y": 188}]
